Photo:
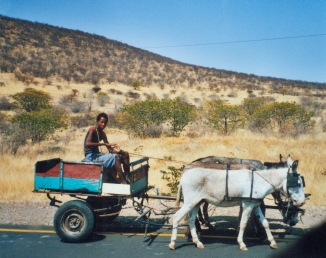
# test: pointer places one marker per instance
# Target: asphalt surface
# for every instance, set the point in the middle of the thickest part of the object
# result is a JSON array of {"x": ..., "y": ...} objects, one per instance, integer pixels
[{"x": 34, "y": 241}]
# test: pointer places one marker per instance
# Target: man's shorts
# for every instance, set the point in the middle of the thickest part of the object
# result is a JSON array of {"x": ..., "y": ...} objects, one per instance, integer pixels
[{"x": 108, "y": 160}]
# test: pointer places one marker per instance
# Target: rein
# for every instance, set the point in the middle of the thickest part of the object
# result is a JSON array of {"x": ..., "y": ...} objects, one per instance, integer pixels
[{"x": 281, "y": 191}]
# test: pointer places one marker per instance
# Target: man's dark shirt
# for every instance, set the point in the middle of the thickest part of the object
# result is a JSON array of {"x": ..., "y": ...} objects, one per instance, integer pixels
[{"x": 92, "y": 149}]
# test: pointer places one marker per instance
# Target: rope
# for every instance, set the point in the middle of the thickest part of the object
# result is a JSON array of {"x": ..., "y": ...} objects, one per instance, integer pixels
[
  {"x": 167, "y": 160},
  {"x": 285, "y": 194},
  {"x": 186, "y": 163}
]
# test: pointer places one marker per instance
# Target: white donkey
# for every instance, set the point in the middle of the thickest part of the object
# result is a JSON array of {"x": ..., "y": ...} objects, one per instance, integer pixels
[{"x": 231, "y": 188}]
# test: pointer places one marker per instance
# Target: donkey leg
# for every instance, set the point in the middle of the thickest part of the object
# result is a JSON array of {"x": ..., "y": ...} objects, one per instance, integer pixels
[
  {"x": 247, "y": 209},
  {"x": 191, "y": 221},
  {"x": 176, "y": 219},
  {"x": 264, "y": 222}
]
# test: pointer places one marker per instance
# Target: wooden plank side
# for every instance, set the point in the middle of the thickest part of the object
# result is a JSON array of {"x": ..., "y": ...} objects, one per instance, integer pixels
[
  {"x": 139, "y": 178},
  {"x": 138, "y": 186},
  {"x": 111, "y": 188},
  {"x": 81, "y": 185},
  {"x": 139, "y": 173},
  {"x": 46, "y": 183},
  {"x": 48, "y": 168},
  {"x": 82, "y": 171}
]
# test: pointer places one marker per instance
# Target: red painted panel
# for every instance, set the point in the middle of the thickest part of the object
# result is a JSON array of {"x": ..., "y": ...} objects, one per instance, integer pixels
[
  {"x": 45, "y": 172},
  {"x": 84, "y": 171}
]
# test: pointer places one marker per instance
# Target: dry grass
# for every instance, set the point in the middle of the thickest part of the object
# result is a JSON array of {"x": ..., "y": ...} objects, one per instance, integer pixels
[
  {"x": 16, "y": 172},
  {"x": 13, "y": 86},
  {"x": 16, "y": 175}
]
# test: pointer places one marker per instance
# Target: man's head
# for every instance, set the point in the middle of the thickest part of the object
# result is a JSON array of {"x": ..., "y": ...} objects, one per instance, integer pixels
[
  {"x": 102, "y": 120},
  {"x": 98, "y": 118}
]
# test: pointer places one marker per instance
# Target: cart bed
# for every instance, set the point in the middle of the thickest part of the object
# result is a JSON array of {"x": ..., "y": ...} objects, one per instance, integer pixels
[{"x": 56, "y": 175}]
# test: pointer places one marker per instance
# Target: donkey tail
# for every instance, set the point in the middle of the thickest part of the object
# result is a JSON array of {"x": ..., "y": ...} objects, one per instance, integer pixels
[{"x": 177, "y": 202}]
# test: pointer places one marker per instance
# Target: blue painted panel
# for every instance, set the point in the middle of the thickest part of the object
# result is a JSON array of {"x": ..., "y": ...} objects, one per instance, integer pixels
[
  {"x": 82, "y": 185},
  {"x": 44, "y": 183}
]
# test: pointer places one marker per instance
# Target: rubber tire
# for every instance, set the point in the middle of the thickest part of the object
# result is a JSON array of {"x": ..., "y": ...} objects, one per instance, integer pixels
[
  {"x": 65, "y": 221},
  {"x": 104, "y": 202}
]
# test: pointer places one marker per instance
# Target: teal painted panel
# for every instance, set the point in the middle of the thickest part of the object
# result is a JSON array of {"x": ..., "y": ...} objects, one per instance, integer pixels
[
  {"x": 82, "y": 185},
  {"x": 46, "y": 183},
  {"x": 138, "y": 186}
]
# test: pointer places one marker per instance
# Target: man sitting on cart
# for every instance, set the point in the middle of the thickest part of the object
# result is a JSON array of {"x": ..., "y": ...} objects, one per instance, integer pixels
[{"x": 115, "y": 158}]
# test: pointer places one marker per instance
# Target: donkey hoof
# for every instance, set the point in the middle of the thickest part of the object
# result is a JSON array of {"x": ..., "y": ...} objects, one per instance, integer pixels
[
  {"x": 274, "y": 246},
  {"x": 200, "y": 245},
  {"x": 171, "y": 246},
  {"x": 243, "y": 248}
]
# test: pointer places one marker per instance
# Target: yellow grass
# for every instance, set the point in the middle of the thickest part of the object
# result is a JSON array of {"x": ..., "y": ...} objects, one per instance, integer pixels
[
  {"x": 16, "y": 172},
  {"x": 16, "y": 175},
  {"x": 13, "y": 86}
]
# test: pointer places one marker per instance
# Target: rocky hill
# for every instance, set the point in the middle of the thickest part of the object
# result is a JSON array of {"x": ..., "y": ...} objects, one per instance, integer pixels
[{"x": 32, "y": 49}]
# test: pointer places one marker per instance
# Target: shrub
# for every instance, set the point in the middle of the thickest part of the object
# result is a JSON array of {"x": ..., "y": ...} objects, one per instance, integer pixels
[
  {"x": 224, "y": 118},
  {"x": 66, "y": 100},
  {"x": 38, "y": 125},
  {"x": 96, "y": 89},
  {"x": 102, "y": 98},
  {"x": 83, "y": 120},
  {"x": 136, "y": 84},
  {"x": 4, "y": 125},
  {"x": 137, "y": 117},
  {"x": 32, "y": 100},
  {"x": 12, "y": 139},
  {"x": 179, "y": 114},
  {"x": 5, "y": 103},
  {"x": 77, "y": 107},
  {"x": 173, "y": 178},
  {"x": 232, "y": 94},
  {"x": 288, "y": 118},
  {"x": 134, "y": 95}
]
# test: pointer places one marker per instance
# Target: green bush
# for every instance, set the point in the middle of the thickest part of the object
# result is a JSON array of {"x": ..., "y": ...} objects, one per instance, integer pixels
[
  {"x": 223, "y": 117},
  {"x": 147, "y": 118},
  {"x": 38, "y": 125},
  {"x": 173, "y": 178},
  {"x": 32, "y": 100}
]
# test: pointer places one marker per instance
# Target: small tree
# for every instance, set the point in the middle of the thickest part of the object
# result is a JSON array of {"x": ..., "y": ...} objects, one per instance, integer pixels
[
  {"x": 140, "y": 116},
  {"x": 252, "y": 105},
  {"x": 283, "y": 91},
  {"x": 224, "y": 118},
  {"x": 89, "y": 100},
  {"x": 179, "y": 114},
  {"x": 288, "y": 118},
  {"x": 32, "y": 100},
  {"x": 38, "y": 125},
  {"x": 102, "y": 98},
  {"x": 136, "y": 84},
  {"x": 5, "y": 103}
]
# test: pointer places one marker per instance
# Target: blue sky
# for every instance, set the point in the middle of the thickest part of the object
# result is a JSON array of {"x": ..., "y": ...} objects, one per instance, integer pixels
[{"x": 266, "y": 38}]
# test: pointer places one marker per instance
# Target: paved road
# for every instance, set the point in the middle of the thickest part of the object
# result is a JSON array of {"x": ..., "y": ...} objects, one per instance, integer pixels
[{"x": 43, "y": 242}]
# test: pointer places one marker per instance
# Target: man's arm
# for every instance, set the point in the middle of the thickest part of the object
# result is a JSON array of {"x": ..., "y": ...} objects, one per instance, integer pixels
[
  {"x": 110, "y": 146},
  {"x": 105, "y": 142}
]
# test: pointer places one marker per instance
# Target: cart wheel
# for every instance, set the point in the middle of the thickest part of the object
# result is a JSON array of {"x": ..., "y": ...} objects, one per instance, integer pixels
[
  {"x": 102, "y": 203},
  {"x": 74, "y": 221}
]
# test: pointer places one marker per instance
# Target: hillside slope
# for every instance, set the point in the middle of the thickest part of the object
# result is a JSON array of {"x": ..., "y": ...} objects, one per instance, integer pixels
[{"x": 41, "y": 50}]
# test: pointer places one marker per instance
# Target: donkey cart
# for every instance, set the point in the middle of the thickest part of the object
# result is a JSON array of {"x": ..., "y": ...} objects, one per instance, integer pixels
[{"x": 97, "y": 196}]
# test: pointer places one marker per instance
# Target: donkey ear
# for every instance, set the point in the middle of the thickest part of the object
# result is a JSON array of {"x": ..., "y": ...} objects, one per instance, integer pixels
[
  {"x": 295, "y": 166},
  {"x": 289, "y": 161}
]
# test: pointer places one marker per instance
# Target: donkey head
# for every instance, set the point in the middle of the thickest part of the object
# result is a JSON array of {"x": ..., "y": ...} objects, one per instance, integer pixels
[{"x": 294, "y": 183}]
